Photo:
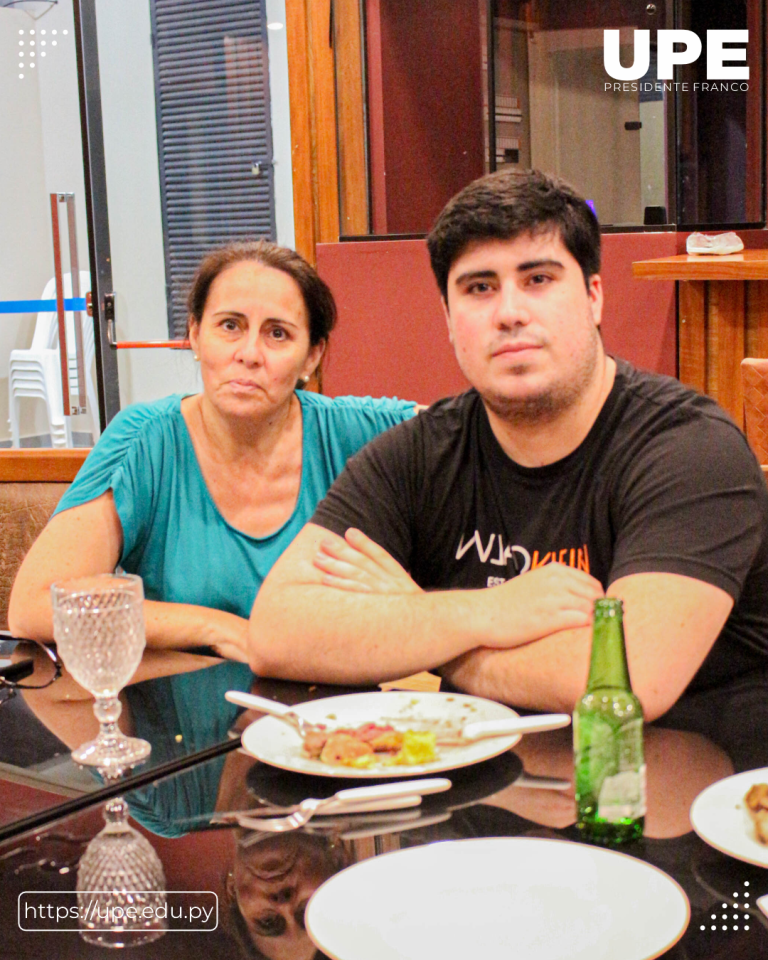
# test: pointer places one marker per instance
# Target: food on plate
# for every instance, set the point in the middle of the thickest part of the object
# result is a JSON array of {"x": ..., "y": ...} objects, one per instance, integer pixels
[
  {"x": 756, "y": 800},
  {"x": 343, "y": 748},
  {"x": 369, "y": 745},
  {"x": 418, "y": 747}
]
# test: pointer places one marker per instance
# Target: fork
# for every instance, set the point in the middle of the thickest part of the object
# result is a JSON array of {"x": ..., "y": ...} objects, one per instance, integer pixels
[
  {"x": 274, "y": 709},
  {"x": 308, "y": 808}
]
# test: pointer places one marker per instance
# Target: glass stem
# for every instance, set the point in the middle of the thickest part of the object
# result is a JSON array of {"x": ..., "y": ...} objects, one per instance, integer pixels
[{"x": 107, "y": 710}]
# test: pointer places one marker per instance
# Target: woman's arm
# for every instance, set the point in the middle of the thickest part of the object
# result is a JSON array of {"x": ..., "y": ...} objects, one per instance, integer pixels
[{"x": 86, "y": 540}]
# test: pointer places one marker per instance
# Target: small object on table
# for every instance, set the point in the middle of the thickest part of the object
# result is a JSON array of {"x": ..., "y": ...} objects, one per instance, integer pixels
[
  {"x": 720, "y": 244},
  {"x": 424, "y": 682},
  {"x": 608, "y": 738},
  {"x": 98, "y": 625}
]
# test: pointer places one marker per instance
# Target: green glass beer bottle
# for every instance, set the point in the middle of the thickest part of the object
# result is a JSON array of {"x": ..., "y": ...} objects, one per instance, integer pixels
[{"x": 608, "y": 738}]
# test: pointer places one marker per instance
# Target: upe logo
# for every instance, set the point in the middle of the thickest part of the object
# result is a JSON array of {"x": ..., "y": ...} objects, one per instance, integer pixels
[{"x": 668, "y": 57}]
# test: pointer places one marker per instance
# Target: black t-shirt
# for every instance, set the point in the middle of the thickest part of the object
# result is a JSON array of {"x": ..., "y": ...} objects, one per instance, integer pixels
[{"x": 663, "y": 482}]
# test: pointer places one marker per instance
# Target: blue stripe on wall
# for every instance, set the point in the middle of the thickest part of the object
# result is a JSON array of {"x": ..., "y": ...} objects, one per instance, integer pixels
[{"x": 40, "y": 306}]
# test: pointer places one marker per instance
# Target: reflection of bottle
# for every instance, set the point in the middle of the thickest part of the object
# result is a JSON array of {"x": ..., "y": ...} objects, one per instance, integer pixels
[{"x": 608, "y": 738}]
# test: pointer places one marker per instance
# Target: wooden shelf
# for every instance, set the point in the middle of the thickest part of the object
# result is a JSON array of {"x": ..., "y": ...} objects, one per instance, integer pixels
[{"x": 747, "y": 265}]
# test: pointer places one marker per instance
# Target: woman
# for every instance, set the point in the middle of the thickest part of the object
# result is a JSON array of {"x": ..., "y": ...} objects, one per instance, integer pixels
[{"x": 199, "y": 495}]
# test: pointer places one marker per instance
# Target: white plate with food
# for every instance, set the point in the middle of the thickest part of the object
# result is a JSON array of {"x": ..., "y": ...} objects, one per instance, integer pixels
[
  {"x": 720, "y": 815},
  {"x": 531, "y": 899},
  {"x": 427, "y": 716}
]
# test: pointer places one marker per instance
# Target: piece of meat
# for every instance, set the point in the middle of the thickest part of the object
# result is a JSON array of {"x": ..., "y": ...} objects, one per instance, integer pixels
[
  {"x": 761, "y": 826},
  {"x": 756, "y": 800},
  {"x": 314, "y": 741},
  {"x": 389, "y": 742},
  {"x": 341, "y": 748},
  {"x": 385, "y": 739},
  {"x": 757, "y": 796}
]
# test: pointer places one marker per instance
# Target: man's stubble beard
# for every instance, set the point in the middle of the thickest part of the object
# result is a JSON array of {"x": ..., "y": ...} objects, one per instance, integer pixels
[{"x": 547, "y": 406}]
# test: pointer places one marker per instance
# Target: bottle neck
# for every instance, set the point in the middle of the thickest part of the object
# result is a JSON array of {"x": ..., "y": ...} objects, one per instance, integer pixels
[{"x": 608, "y": 663}]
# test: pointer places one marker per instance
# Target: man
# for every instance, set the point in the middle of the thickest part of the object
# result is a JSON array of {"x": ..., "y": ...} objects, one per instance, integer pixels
[{"x": 562, "y": 474}]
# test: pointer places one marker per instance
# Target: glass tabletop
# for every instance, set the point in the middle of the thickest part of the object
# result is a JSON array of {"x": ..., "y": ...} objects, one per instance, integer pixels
[
  {"x": 183, "y": 715},
  {"x": 262, "y": 882}
]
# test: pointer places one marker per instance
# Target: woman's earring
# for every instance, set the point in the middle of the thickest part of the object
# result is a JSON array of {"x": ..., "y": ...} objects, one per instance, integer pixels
[
  {"x": 305, "y": 380},
  {"x": 197, "y": 358}
]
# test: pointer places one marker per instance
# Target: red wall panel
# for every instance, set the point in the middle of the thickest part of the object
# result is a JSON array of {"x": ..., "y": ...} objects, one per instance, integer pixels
[
  {"x": 425, "y": 104},
  {"x": 392, "y": 340},
  {"x": 640, "y": 316}
]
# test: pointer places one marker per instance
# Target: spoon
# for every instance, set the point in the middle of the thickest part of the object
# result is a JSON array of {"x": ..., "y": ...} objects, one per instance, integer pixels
[{"x": 446, "y": 734}]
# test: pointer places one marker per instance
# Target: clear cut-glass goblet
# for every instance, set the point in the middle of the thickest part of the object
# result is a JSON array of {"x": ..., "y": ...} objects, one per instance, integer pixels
[{"x": 98, "y": 626}]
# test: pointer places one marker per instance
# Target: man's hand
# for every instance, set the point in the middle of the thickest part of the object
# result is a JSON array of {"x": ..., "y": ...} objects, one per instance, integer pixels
[
  {"x": 359, "y": 564},
  {"x": 671, "y": 624},
  {"x": 541, "y": 602}
]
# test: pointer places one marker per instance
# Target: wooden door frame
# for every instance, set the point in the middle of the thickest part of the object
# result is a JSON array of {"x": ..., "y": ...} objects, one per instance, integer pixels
[
  {"x": 313, "y": 124},
  {"x": 320, "y": 169}
]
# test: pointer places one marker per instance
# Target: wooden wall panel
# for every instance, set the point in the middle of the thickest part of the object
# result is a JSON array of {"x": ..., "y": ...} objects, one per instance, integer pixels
[
  {"x": 757, "y": 318},
  {"x": 326, "y": 173},
  {"x": 639, "y": 319},
  {"x": 300, "y": 91},
  {"x": 350, "y": 111},
  {"x": 40, "y": 466},
  {"x": 692, "y": 306},
  {"x": 313, "y": 123},
  {"x": 375, "y": 91},
  {"x": 431, "y": 69},
  {"x": 725, "y": 345}
]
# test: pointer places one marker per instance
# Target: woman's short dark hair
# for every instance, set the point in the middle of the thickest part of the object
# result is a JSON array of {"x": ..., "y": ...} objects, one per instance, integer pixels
[
  {"x": 317, "y": 296},
  {"x": 506, "y": 204}
]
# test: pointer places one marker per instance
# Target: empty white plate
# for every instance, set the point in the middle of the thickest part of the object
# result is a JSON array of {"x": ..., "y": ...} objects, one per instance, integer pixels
[{"x": 497, "y": 899}]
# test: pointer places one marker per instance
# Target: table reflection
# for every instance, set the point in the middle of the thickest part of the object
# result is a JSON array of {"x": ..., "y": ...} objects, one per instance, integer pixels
[
  {"x": 39, "y": 727},
  {"x": 264, "y": 880}
]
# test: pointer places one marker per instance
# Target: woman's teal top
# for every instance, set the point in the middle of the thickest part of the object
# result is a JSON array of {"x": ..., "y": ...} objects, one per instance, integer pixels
[{"x": 175, "y": 538}]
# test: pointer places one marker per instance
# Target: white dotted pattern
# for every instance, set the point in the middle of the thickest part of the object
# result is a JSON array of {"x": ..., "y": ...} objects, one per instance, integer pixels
[
  {"x": 32, "y": 44},
  {"x": 736, "y": 917}
]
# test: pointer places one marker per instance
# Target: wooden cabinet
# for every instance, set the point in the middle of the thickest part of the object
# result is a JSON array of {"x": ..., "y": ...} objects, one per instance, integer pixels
[{"x": 722, "y": 318}]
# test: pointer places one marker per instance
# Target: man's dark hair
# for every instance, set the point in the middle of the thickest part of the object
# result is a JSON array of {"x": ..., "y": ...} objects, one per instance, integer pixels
[{"x": 506, "y": 204}]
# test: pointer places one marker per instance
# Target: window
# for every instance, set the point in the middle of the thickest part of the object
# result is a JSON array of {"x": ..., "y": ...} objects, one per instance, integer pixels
[
  {"x": 455, "y": 88},
  {"x": 214, "y": 134}
]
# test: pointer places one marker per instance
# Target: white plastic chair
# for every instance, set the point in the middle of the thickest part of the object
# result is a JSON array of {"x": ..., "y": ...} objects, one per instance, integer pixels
[{"x": 36, "y": 373}]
